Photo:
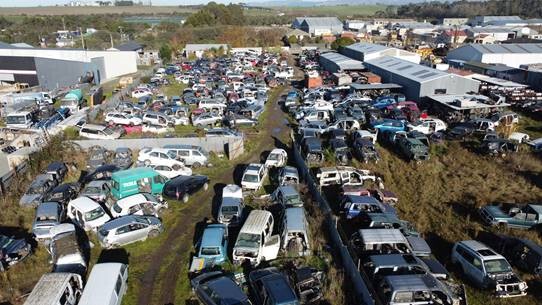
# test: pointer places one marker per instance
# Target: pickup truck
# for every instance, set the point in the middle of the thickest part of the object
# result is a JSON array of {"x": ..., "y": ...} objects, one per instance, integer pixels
[{"x": 514, "y": 216}]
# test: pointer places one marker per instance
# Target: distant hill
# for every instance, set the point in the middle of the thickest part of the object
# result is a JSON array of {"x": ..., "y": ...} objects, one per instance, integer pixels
[{"x": 309, "y": 3}]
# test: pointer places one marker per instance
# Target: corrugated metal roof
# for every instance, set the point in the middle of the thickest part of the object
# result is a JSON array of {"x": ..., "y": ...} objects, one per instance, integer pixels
[
  {"x": 518, "y": 48},
  {"x": 490, "y": 30},
  {"x": 345, "y": 63},
  {"x": 407, "y": 69},
  {"x": 367, "y": 48},
  {"x": 322, "y": 21}
]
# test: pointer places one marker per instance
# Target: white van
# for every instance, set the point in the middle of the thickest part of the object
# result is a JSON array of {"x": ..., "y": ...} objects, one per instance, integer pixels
[
  {"x": 106, "y": 285},
  {"x": 56, "y": 289},
  {"x": 255, "y": 242},
  {"x": 87, "y": 213},
  {"x": 295, "y": 234}
]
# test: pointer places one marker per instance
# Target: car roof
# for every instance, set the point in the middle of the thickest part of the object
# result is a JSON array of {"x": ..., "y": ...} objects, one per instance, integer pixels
[
  {"x": 393, "y": 260},
  {"x": 134, "y": 173},
  {"x": 232, "y": 191},
  {"x": 482, "y": 250},
  {"x": 295, "y": 219},
  {"x": 411, "y": 282},
  {"x": 131, "y": 200},
  {"x": 379, "y": 236},
  {"x": 84, "y": 204},
  {"x": 536, "y": 208},
  {"x": 212, "y": 235},
  {"x": 100, "y": 284},
  {"x": 256, "y": 221},
  {"x": 362, "y": 199},
  {"x": 48, "y": 209},
  {"x": 94, "y": 126},
  {"x": 228, "y": 291},
  {"x": 278, "y": 288},
  {"x": 290, "y": 170},
  {"x": 288, "y": 190},
  {"x": 121, "y": 221}
]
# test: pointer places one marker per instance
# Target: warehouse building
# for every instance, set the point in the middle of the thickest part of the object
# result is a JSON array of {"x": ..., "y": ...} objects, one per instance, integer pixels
[
  {"x": 512, "y": 55},
  {"x": 363, "y": 51},
  {"x": 317, "y": 26},
  {"x": 419, "y": 81},
  {"x": 335, "y": 62},
  {"x": 56, "y": 68}
]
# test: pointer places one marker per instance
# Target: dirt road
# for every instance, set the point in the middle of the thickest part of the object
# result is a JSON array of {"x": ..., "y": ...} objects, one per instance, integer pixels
[{"x": 169, "y": 262}]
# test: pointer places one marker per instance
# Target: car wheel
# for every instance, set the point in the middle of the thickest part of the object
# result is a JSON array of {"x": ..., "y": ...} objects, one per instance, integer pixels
[
  {"x": 147, "y": 162},
  {"x": 205, "y": 186},
  {"x": 153, "y": 233},
  {"x": 196, "y": 164},
  {"x": 186, "y": 197}
]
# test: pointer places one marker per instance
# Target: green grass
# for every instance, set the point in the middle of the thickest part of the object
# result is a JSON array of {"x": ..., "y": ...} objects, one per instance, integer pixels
[
  {"x": 335, "y": 10},
  {"x": 530, "y": 126}
]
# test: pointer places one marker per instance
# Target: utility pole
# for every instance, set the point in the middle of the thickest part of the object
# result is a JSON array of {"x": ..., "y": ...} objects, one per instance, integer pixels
[
  {"x": 63, "y": 24},
  {"x": 111, "y": 37},
  {"x": 82, "y": 38}
]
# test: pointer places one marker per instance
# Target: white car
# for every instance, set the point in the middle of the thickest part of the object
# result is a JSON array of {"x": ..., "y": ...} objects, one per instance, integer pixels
[
  {"x": 138, "y": 204},
  {"x": 120, "y": 118},
  {"x": 427, "y": 126},
  {"x": 172, "y": 171},
  {"x": 99, "y": 132},
  {"x": 277, "y": 158},
  {"x": 253, "y": 177},
  {"x": 206, "y": 119},
  {"x": 158, "y": 156},
  {"x": 156, "y": 129},
  {"x": 139, "y": 93}
]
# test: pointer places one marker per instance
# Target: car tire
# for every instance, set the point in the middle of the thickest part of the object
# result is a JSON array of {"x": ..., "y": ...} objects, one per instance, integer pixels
[
  {"x": 153, "y": 233},
  {"x": 206, "y": 186},
  {"x": 185, "y": 197},
  {"x": 196, "y": 164}
]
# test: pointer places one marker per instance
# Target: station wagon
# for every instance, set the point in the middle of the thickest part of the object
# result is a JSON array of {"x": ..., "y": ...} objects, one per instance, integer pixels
[{"x": 213, "y": 246}]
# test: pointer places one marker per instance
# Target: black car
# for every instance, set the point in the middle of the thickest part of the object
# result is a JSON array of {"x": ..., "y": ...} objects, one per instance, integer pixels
[
  {"x": 63, "y": 193},
  {"x": 495, "y": 147},
  {"x": 97, "y": 156},
  {"x": 12, "y": 251},
  {"x": 522, "y": 253},
  {"x": 123, "y": 158},
  {"x": 182, "y": 187},
  {"x": 340, "y": 150},
  {"x": 103, "y": 172},
  {"x": 460, "y": 132},
  {"x": 365, "y": 150},
  {"x": 312, "y": 148},
  {"x": 215, "y": 288},
  {"x": 58, "y": 169}
]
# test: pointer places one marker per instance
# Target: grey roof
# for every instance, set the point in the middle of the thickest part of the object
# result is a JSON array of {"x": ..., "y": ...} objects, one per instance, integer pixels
[
  {"x": 367, "y": 48},
  {"x": 490, "y": 30},
  {"x": 4, "y": 45},
  {"x": 495, "y": 18},
  {"x": 407, "y": 69},
  {"x": 357, "y": 86},
  {"x": 296, "y": 219},
  {"x": 411, "y": 282},
  {"x": 22, "y": 45},
  {"x": 130, "y": 46},
  {"x": 518, "y": 48},
  {"x": 498, "y": 81},
  {"x": 344, "y": 63},
  {"x": 316, "y": 22}
]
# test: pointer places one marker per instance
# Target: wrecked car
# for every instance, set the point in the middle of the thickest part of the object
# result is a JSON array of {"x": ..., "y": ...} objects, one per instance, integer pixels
[
  {"x": 523, "y": 254},
  {"x": 513, "y": 216},
  {"x": 12, "y": 251},
  {"x": 123, "y": 158},
  {"x": 343, "y": 175},
  {"x": 496, "y": 147},
  {"x": 307, "y": 284},
  {"x": 412, "y": 149},
  {"x": 295, "y": 233},
  {"x": 288, "y": 175},
  {"x": 365, "y": 150},
  {"x": 353, "y": 205},
  {"x": 276, "y": 158},
  {"x": 341, "y": 151},
  {"x": 314, "y": 153}
]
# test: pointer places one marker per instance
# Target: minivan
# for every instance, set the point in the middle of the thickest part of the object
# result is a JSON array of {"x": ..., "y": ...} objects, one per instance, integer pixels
[
  {"x": 106, "y": 285},
  {"x": 48, "y": 214},
  {"x": 231, "y": 209},
  {"x": 56, "y": 289},
  {"x": 191, "y": 155},
  {"x": 87, "y": 213},
  {"x": 99, "y": 132},
  {"x": 295, "y": 233},
  {"x": 255, "y": 242},
  {"x": 66, "y": 251},
  {"x": 136, "y": 180}
]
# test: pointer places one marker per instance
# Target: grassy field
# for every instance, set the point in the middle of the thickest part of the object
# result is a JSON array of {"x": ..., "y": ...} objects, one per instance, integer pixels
[{"x": 96, "y": 10}]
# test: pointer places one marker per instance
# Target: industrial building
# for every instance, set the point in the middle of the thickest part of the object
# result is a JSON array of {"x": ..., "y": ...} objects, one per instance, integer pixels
[
  {"x": 363, "y": 51},
  {"x": 483, "y": 20},
  {"x": 512, "y": 55},
  {"x": 335, "y": 62},
  {"x": 317, "y": 26},
  {"x": 56, "y": 68},
  {"x": 419, "y": 81}
]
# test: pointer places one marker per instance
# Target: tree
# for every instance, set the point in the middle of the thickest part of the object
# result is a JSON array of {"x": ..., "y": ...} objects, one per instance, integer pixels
[
  {"x": 165, "y": 53},
  {"x": 235, "y": 36},
  {"x": 342, "y": 42},
  {"x": 292, "y": 39}
]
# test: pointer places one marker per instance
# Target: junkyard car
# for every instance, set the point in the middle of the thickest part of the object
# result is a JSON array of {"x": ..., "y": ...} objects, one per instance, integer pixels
[
  {"x": 341, "y": 151},
  {"x": 57, "y": 169},
  {"x": 102, "y": 173},
  {"x": 191, "y": 155},
  {"x": 159, "y": 156},
  {"x": 231, "y": 210},
  {"x": 365, "y": 150},
  {"x": 522, "y": 253},
  {"x": 66, "y": 250},
  {"x": 354, "y": 205},
  {"x": 270, "y": 287},
  {"x": 214, "y": 288},
  {"x": 487, "y": 269},
  {"x": 182, "y": 187},
  {"x": 497, "y": 147},
  {"x": 213, "y": 246},
  {"x": 276, "y": 158},
  {"x": 37, "y": 190},
  {"x": 295, "y": 232},
  {"x": 206, "y": 119},
  {"x": 288, "y": 175},
  {"x": 128, "y": 229},
  {"x": 253, "y": 177},
  {"x": 343, "y": 175},
  {"x": 48, "y": 215},
  {"x": 427, "y": 126},
  {"x": 171, "y": 172},
  {"x": 97, "y": 190},
  {"x": 120, "y": 118},
  {"x": 123, "y": 158},
  {"x": 287, "y": 196},
  {"x": 139, "y": 204},
  {"x": 312, "y": 147},
  {"x": 412, "y": 149},
  {"x": 97, "y": 156},
  {"x": 307, "y": 284},
  {"x": 12, "y": 251},
  {"x": 514, "y": 216}
]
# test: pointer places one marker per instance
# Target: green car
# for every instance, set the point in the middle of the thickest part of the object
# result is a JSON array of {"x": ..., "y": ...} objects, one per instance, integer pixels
[
  {"x": 137, "y": 180},
  {"x": 514, "y": 216}
]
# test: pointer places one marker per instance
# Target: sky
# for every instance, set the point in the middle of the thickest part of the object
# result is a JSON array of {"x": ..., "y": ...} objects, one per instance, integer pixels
[{"x": 11, "y": 3}]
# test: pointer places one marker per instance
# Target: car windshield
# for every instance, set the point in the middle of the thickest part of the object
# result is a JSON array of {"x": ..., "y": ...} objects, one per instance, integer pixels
[
  {"x": 273, "y": 157},
  {"x": 92, "y": 190},
  {"x": 35, "y": 190},
  {"x": 292, "y": 199},
  {"x": 94, "y": 214},
  {"x": 248, "y": 240},
  {"x": 497, "y": 266},
  {"x": 103, "y": 232},
  {"x": 229, "y": 210},
  {"x": 108, "y": 131},
  {"x": 16, "y": 119},
  {"x": 117, "y": 208},
  {"x": 171, "y": 154},
  {"x": 250, "y": 178},
  {"x": 210, "y": 251}
]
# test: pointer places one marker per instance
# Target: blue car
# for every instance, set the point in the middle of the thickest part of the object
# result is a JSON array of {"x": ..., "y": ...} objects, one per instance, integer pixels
[
  {"x": 270, "y": 287},
  {"x": 354, "y": 205},
  {"x": 214, "y": 244},
  {"x": 389, "y": 125},
  {"x": 383, "y": 102}
]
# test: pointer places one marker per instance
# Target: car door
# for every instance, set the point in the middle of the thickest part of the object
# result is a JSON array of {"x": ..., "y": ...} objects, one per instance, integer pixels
[
  {"x": 122, "y": 235},
  {"x": 138, "y": 231}
]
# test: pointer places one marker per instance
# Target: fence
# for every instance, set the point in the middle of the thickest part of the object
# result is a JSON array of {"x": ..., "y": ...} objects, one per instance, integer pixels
[
  {"x": 231, "y": 146},
  {"x": 362, "y": 294}
]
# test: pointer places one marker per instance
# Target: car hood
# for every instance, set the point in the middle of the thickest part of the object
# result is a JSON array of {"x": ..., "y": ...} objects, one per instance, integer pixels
[
  {"x": 496, "y": 212},
  {"x": 10, "y": 245},
  {"x": 27, "y": 199}
]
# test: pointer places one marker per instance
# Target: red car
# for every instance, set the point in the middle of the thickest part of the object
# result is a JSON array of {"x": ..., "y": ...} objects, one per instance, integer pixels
[{"x": 133, "y": 129}]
